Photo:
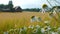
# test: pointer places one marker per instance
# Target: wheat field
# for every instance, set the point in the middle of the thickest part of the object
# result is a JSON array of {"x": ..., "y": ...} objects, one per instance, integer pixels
[{"x": 9, "y": 20}]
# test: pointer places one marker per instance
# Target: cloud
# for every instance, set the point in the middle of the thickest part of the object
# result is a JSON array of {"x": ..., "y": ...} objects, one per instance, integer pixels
[{"x": 27, "y": 3}]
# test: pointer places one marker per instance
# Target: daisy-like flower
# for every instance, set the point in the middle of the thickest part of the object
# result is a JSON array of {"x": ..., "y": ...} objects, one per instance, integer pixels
[
  {"x": 51, "y": 15},
  {"x": 6, "y": 32},
  {"x": 25, "y": 28},
  {"x": 45, "y": 29},
  {"x": 38, "y": 19},
  {"x": 59, "y": 29},
  {"x": 48, "y": 28},
  {"x": 33, "y": 18},
  {"x": 21, "y": 29},
  {"x": 43, "y": 10},
  {"x": 54, "y": 33},
  {"x": 34, "y": 31},
  {"x": 42, "y": 30},
  {"x": 54, "y": 13},
  {"x": 31, "y": 26},
  {"x": 37, "y": 26}
]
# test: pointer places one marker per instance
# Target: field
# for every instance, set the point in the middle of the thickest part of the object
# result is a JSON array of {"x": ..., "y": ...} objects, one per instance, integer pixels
[{"x": 14, "y": 21}]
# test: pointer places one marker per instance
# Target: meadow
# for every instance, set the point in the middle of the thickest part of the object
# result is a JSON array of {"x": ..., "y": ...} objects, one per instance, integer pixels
[{"x": 20, "y": 23}]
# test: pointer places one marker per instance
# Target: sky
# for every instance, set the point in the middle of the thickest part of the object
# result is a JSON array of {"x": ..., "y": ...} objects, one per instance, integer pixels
[{"x": 27, "y": 3}]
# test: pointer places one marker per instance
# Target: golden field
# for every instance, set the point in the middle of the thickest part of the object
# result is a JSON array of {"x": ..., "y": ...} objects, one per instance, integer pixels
[{"x": 17, "y": 20}]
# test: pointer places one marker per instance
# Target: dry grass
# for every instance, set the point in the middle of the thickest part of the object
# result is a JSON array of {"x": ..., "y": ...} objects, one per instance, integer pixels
[{"x": 18, "y": 20}]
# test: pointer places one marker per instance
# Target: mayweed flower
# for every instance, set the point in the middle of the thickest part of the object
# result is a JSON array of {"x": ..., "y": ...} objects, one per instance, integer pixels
[
  {"x": 37, "y": 26},
  {"x": 54, "y": 32},
  {"x": 31, "y": 26},
  {"x": 43, "y": 10},
  {"x": 5, "y": 32},
  {"x": 42, "y": 30},
  {"x": 21, "y": 29},
  {"x": 54, "y": 12},
  {"x": 51, "y": 15},
  {"x": 59, "y": 29},
  {"x": 34, "y": 31},
  {"x": 47, "y": 28},
  {"x": 33, "y": 19},
  {"x": 25, "y": 28},
  {"x": 38, "y": 19}
]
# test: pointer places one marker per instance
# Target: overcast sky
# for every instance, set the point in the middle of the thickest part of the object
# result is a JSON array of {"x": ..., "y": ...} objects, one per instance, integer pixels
[{"x": 26, "y": 3}]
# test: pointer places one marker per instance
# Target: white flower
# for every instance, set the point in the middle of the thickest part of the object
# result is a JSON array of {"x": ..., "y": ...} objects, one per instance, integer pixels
[
  {"x": 54, "y": 12},
  {"x": 54, "y": 32},
  {"x": 33, "y": 20},
  {"x": 38, "y": 19},
  {"x": 37, "y": 26},
  {"x": 48, "y": 28},
  {"x": 51, "y": 15},
  {"x": 5, "y": 32},
  {"x": 21, "y": 29},
  {"x": 59, "y": 29},
  {"x": 43, "y": 10},
  {"x": 35, "y": 31},
  {"x": 42, "y": 30},
  {"x": 25, "y": 28},
  {"x": 31, "y": 26}
]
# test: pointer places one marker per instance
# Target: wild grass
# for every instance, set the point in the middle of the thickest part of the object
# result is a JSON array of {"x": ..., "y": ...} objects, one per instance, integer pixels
[{"x": 19, "y": 23}]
